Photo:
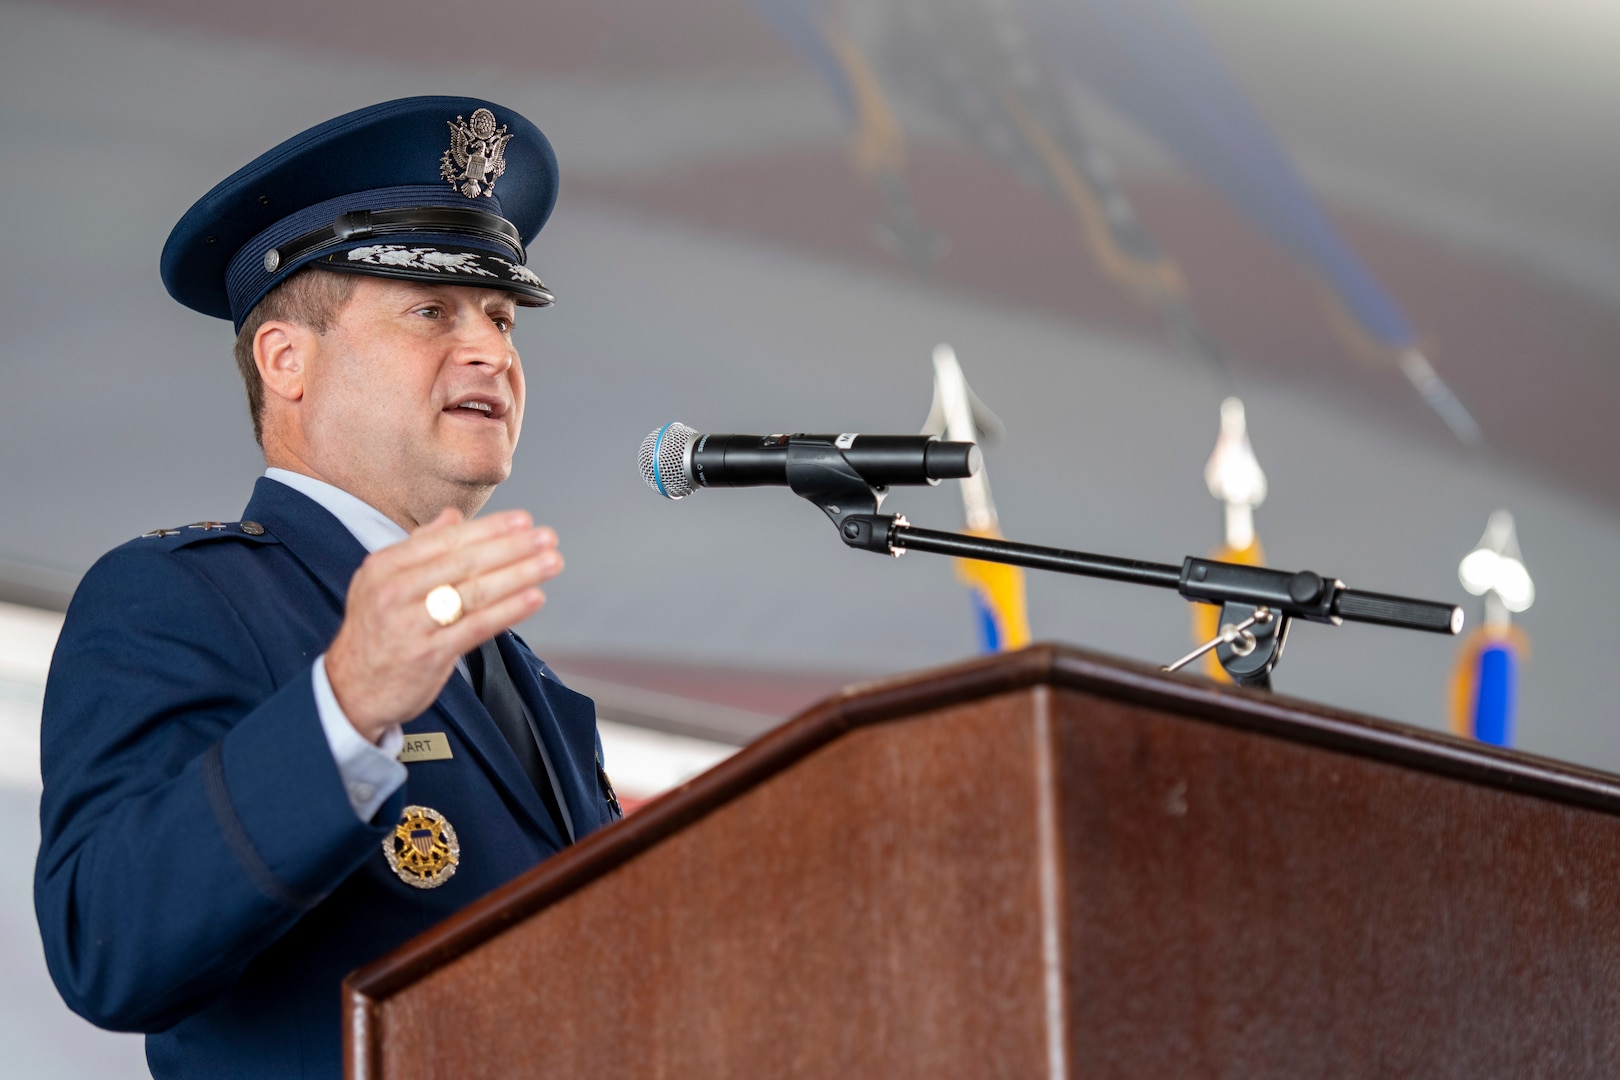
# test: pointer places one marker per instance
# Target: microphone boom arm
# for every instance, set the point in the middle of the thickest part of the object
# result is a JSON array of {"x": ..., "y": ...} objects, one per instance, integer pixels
[{"x": 1260, "y": 602}]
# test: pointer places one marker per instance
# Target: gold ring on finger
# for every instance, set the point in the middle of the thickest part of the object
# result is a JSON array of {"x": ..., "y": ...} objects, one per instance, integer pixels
[{"x": 444, "y": 605}]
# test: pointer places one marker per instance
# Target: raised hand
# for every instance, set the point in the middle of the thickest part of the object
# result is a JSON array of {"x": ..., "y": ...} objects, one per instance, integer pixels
[{"x": 390, "y": 658}]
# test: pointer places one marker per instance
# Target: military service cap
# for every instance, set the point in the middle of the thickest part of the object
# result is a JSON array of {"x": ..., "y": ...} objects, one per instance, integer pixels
[{"x": 443, "y": 189}]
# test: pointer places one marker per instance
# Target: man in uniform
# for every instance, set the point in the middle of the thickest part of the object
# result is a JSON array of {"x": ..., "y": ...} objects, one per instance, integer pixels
[{"x": 276, "y": 748}]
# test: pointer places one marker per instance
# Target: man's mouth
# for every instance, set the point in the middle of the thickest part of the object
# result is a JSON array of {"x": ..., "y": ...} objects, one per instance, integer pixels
[{"x": 485, "y": 407}]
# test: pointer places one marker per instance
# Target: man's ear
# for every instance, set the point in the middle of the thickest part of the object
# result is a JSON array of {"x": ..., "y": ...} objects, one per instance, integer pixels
[{"x": 282, "y": 351}]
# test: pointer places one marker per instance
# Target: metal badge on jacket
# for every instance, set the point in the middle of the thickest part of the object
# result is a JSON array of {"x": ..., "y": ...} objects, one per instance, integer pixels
[{"x": 423, "y": 849}]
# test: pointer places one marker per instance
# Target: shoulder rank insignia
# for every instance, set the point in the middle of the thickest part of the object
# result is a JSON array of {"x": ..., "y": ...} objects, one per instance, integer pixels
[
  {"x": 207, "y": 528},
  {"x": 477, "y": 154},
  {"x": 423, "y": 849}
]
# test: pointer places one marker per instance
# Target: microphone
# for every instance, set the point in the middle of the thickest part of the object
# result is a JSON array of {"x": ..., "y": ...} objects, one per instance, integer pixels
[{"x": 675, "y": 460}]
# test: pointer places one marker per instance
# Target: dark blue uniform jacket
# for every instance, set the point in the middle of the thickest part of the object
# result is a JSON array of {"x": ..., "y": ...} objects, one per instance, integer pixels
[{"x": 202, "y": 876}]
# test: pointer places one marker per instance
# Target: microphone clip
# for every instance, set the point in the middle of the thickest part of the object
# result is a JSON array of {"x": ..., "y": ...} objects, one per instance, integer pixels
[{"x": 818, "y": 471}]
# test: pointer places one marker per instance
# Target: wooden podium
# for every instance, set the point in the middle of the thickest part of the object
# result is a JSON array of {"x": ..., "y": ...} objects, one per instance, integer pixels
[{"x": 1045, "y": 864}]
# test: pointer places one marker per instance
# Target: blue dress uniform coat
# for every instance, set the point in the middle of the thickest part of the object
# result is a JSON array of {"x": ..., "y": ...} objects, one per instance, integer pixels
[{"x": 202, "y": 875}]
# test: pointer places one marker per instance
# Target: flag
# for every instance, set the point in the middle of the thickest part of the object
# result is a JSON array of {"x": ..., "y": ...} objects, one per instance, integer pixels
[
  {"x": 999, "y": 602},
  {"x": 1233, "y": 475},
  {"x": 1485, "y": 683},
  {"x": 1206, "y": 618}
]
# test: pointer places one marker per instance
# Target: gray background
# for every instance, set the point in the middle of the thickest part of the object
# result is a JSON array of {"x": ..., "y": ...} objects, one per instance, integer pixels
[{"x": 122, "y": 411}]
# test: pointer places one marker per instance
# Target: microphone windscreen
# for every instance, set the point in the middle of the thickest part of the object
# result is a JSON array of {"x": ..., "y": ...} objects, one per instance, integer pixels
[{"x": 662, "y": 460}]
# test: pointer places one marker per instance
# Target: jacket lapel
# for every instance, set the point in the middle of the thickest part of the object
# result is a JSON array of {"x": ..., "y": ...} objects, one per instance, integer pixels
[
  {"x": 332, "y": 554},
  {"x": 567, "y": 726},
  {"x": 461, "y": 708}
]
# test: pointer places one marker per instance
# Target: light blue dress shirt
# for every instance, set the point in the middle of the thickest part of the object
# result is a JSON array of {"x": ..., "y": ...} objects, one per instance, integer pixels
[{"x": 370, "y": 772}]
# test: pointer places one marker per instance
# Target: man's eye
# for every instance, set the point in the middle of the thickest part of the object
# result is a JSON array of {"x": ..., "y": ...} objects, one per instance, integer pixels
[
  {"x": 430, "y": 311},
  {"x": 504, "y": 322}
]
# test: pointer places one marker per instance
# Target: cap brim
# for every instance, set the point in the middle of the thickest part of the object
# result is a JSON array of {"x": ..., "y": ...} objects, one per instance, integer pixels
[{"x": 443, "y": 264}]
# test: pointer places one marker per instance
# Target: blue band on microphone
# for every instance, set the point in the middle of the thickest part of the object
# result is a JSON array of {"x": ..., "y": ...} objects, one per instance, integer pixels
[{"x": 657, "y": 453}]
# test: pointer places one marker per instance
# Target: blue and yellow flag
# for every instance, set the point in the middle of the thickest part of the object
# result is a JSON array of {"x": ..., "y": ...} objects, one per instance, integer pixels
[
  {"x": 999, "y": 601},
  {"x": 1485, "y": 683}
]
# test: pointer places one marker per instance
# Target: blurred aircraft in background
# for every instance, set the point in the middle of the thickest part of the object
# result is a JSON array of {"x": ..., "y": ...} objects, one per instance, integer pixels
[{"x": 1011, "y": 77}]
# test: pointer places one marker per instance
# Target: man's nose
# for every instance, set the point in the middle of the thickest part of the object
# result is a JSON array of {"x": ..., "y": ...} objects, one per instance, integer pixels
[{"x": 482, "y": 342}]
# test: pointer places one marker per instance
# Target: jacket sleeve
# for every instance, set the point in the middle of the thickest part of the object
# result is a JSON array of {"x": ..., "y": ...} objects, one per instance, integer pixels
[{"x": 192, "y": 810}]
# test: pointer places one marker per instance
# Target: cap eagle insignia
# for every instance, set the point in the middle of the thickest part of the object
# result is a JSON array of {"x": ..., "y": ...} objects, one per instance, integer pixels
[{"x": 477, "y": 154}]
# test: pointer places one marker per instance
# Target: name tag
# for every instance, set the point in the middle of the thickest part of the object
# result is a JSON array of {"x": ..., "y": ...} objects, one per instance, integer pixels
[{"x": 429, "y": 746}]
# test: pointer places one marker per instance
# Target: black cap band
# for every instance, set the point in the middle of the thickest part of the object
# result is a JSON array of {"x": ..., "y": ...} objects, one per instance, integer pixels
[{"x": 364, "y": 224}]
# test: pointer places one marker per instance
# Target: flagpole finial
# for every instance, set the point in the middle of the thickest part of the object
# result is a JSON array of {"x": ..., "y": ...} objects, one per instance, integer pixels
[
  {"x": 1495, "y": 570},
  {"x": 1234, "y": 476}
]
